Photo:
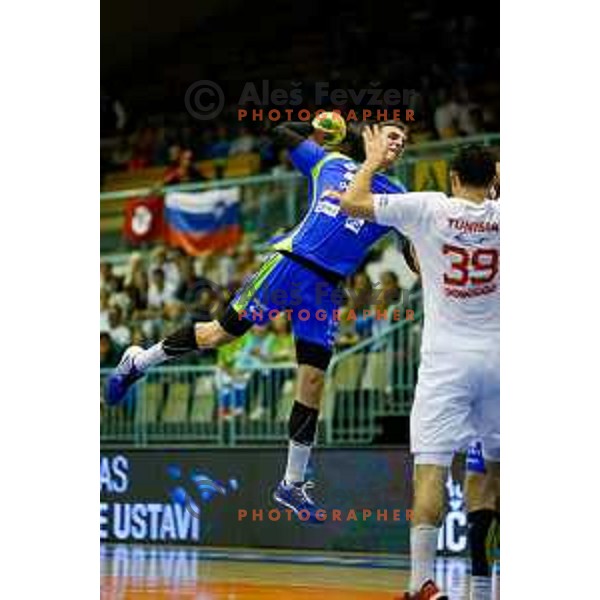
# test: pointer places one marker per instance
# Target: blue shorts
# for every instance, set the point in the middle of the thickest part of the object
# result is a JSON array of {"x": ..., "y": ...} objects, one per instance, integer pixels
[{"x": 306, "y": 297}]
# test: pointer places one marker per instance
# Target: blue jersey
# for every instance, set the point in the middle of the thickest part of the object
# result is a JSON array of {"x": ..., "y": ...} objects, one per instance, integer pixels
[{"x": 326, "y": 235}]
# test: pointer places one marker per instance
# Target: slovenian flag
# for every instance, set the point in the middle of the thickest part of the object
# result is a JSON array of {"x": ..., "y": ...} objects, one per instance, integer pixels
[{"x": 201, "y": 221}]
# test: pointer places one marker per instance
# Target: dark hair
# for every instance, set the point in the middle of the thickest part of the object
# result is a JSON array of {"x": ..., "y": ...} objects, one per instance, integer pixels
[
  {"x": 475, "y": 166},
  {"x": 393, "y": 123},
  {"x": 353, "y": 144}
]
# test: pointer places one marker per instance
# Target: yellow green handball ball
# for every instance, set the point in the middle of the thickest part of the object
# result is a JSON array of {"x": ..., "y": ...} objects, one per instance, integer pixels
[{"x": 333, "y": 125}]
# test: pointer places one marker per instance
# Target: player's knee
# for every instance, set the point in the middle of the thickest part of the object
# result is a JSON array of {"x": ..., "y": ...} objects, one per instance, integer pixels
[
  {"x": 482, "y": 491},
  {"x": 314, "y": 379},
  {"x": 310, "y": 385},
  {"x": 428, "y": 507},
  {"x": 427, "y": 510}
]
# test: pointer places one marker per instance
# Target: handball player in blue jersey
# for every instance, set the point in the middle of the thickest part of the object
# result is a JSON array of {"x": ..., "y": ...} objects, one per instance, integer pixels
[{"x": 303, "y": 277}]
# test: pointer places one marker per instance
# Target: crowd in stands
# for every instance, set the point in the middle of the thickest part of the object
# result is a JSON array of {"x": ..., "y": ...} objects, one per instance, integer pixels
[{"x": 179, "y": 142}]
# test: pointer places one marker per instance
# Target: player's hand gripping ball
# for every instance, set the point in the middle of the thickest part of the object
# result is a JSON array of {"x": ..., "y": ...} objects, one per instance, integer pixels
[{"x": 333, "y": 128}]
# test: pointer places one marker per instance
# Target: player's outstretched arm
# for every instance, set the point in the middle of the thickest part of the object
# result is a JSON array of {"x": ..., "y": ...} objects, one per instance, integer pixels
[{"x": 289, "y": 135}]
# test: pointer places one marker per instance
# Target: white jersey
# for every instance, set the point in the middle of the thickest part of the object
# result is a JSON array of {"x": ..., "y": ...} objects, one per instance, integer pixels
[{"x": 458, "y": 248}]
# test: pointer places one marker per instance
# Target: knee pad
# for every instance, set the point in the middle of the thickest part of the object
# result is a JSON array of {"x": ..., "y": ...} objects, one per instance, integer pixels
[
  {"x": 303, "y": 424},
  {"x": 314, "y": 355}
]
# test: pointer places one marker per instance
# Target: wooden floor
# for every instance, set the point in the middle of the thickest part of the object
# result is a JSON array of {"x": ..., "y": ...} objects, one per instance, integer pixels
[{"x": 160, "y": 573}]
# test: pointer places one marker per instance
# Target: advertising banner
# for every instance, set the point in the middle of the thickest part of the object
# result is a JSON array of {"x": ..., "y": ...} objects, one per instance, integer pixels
[{"x": 223, "y": 498}]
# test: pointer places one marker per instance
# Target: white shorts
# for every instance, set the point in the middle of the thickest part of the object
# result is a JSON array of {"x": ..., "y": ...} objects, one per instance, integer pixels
[{"x": 457, "y": 402}]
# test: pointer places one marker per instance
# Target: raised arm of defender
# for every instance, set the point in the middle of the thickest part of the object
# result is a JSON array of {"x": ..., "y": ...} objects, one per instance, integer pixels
[{"x": 357, "y": 201}]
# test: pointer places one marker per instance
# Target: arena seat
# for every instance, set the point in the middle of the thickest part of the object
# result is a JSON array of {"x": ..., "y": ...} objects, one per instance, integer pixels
[
  {"x": 129, "y": 180},
  {"x": 149, "y": 402},
  {"x": 203, "y": 402},
  {"x": 348, "y": 372},
  {"x": 376, "y": 372},
  {"x": 286, "y": 401},
  {"x": 176, "y": 406},
  {"x": 241, "y": 165}
]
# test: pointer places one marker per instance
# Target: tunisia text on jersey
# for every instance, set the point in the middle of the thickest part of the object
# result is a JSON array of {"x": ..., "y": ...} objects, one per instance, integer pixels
[{"x": 458, "y": 248}]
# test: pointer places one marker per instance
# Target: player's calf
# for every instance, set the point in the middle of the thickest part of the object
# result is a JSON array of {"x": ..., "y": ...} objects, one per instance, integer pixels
[
  {"x": 428, "y": 510},
  {"x": 482, "y": 491}
]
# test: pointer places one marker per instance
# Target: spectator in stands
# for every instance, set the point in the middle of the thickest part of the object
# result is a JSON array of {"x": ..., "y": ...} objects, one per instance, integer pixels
[
  {"x": 347, "y": 335},
  {"x": 138, "y": 338},
  {"x": 243, "y": 144},
  {"x": 188, "y": 283},
  {"x": 255, "y": 352},
  {"x": 391, "y": 292},
  {"x": 205, "y": 143},
  {"x": 389, "y": 297},
  {"x": 446, "y": 115},
  {"x": 134, "y": 265},
  {"x": 160, "y": 151},
  {"x": 184, "y": 171},
  {"x": 110, "y": 353},
  {"x": 363, "y": 303},
  {"x": 160, "y": 260},
  {"x": 106, "y": 276},
  {"x": 142, "y": 150},
  {"x": 284, "y": 165},
  {"x": 174, "y": 153},
  {"x": 467, "y": 109},
  {"x": 219, "y": 149},
  {"x": 138, "y": 293},
  {"x": 120, "y": 296},
  {"x": 104, "y": 308},
  {"x": 266, "y": 149},
  {"x": 160, "y": 293},
  {"x": 219, "y": 268},
  {"x": 246, "y": 261},
  {"x": 118, "y": 331},
  {"x": 256, "y": 349},
  {"x": 230, "y": 383},
  {"x": 281, "y": 348},
  {"x": 173, "y": 317}
]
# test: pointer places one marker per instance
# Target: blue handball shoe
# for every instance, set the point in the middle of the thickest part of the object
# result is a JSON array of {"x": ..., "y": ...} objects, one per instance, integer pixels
[
  {"x": 123, "y": 377},
  {"x": 294, "y": 496}
]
